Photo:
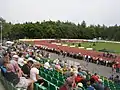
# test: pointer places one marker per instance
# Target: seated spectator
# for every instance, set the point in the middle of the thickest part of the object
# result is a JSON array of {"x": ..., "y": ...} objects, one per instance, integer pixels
[
  {"x": 67, "y": 85},
  {"x": 61, "y": 63},
  {"x": 97, "y": 85},
  {"x": 72, "y": 78},
  {"x": 95, "y": 77},
  {"x": 6, "y": 57},
  {"x": 57, "y": 66},
  {"x": 20, "y": 60},
  {"x": 79, "y": 86},
  {"x": 78, "y": 78},
  {"x": 3, "y": 68},
  {"x": 100, "y": 85},
  {"x": 72, "y": 68},
  {"x": 30, "y": 58},
  {"x": 47, "y": 65},
  {"x": 20, "y": 82},
  {"x": 17, "y": 69},
  {"x": 56, "y": 61},
  {"x": 111, "y": 77},
  {"x": 116, "y": 79},
  {"x": 89, "y": 86},
  {"x": 26, "y": 68},
  {"x": 80, "y": 72},
  {"x": 67, "y": 73},
  {"x": 34, "y": 74}
]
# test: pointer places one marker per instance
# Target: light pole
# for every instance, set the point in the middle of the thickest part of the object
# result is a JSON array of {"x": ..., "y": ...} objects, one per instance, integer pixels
[{"x": 1, "y": 32}]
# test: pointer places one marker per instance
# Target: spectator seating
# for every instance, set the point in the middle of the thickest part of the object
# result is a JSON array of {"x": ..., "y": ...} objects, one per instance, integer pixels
[{"x": 53, "y": 80}]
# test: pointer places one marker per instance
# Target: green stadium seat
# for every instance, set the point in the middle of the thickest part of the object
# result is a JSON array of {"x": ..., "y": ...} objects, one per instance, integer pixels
[
  {"x": 52, "y": 87},
  {"x": 49, "y": 78},
  {"x": 60, "y": 83},
  {"x": 40, "y": 73},
  {"x": 56, "y": 76},
  {"x": 44, "y": 75},
  {"x": 54, "y": 81},
  {"x": 39, "y": 87},
  {"x": 51, "y": 74},
  {"x": 35, "y": 86},
  {"x": 117, "y": 86},
  {"x": 42, "y": 88},
  {"x": 61, "y": 79}
]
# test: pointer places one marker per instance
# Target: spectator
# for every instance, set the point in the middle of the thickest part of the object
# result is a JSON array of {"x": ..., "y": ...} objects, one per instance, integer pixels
[
  {"x": 79, "y": 86},
  {"x": 34, "y": 74},
  {"x": 6, "y": 57},
  {"x": 67, "y": 73},
  {"x": 95, "y": 77},
  {"x": 111, "y": 77},
  {"x": 67, "y": 85},
  {"x": 20, "y": 82},
  {"x": 78, "y": 78},
  {"x": 56, "y": 61},
  {"x": 1, "y": 60},
  {"x": 47, "y": 65},
  {"x": 14, "y": 62},
  {"x": 72, "y": 78},
  {"x": 26, "y": 68},
  {"x": 3, "y": 68},
  {"x": 89, "y": 86},
  {"x": 116, "y": 79},
  {"x": 20, "y": 60}
]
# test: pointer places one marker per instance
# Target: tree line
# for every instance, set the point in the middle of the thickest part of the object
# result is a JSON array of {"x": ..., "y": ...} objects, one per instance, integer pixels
[{"x": 59, "y": 29}]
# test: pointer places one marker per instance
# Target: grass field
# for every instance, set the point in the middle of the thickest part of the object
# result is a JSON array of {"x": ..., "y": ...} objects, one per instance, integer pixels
[{"x": 100, "y": 45}]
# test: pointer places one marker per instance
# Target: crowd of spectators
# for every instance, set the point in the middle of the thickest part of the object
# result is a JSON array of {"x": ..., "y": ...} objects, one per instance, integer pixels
[
  {"x": 21, "y": 67},
  {"x": 87, "y": 58}
]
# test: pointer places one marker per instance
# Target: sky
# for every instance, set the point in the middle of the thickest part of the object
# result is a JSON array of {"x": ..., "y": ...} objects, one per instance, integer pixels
[{"x": 91, "y": 11}]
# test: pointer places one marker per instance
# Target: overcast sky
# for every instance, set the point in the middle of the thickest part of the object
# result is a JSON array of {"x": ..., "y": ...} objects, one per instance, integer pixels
[{"x": 92, "y": 11}]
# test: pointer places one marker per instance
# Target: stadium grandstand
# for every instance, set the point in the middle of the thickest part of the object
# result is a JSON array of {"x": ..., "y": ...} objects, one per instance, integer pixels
[{"x": 31, "y": 67}]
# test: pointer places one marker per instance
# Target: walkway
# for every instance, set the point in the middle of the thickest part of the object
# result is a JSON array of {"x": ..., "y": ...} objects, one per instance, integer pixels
[{"x": 93, "y": 68}]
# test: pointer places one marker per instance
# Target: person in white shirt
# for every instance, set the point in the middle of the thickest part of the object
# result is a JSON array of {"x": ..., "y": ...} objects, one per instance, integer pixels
[
  {"x": 47, "y": 65},
  {"x": 34, "y": 74},
  {"x": 20, "y": 60}
]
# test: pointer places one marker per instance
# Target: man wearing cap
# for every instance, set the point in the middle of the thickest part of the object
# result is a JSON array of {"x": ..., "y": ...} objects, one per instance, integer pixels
[{"x": 14, "y": 62}]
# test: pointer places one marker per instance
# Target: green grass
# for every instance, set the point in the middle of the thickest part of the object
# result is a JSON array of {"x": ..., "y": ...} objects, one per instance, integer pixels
[{"x": 100, "y": 45}]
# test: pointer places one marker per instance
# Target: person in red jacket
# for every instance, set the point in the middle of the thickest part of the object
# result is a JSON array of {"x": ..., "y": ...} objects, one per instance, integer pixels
[
  {"x": 95, "y": 77},
  {"x": 78, "y": 78}
]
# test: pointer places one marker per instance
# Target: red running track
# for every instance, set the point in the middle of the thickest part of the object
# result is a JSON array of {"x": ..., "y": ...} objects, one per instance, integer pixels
[{"x": 94, "y": 54}]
